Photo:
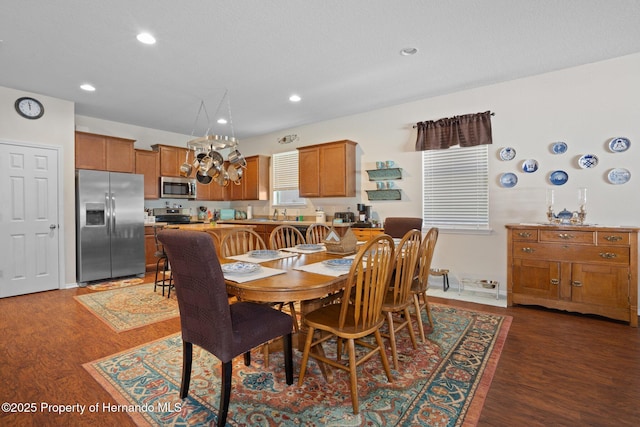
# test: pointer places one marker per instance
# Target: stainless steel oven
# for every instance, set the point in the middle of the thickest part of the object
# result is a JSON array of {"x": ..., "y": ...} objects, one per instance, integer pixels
[{"x": 177, "y": 188}]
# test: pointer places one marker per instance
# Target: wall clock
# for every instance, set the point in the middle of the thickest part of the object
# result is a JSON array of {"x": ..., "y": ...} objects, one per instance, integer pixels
[{"x": 29, "y": 108}]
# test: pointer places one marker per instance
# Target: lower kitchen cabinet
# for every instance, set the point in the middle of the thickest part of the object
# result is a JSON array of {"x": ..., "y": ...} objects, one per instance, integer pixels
[
  {"x": 365, "y": 234},
  {"x": 149, "y": 248},
  {"x": 592, "y": 270}
]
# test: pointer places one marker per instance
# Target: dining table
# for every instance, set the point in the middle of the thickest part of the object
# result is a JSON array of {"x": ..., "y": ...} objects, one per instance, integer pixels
[{"x": 294, "y": 276}]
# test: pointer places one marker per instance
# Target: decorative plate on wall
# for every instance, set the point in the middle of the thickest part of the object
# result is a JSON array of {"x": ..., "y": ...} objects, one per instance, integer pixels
[
  {"x": 588, "y": 161},
  {"x": 559, "y": 147},
  {"x": 558, "y": 177},
  {"x": 508, "y": 180},
  {"x": 620, "y": 144},
  {"x": 618, "y": 176},
  {"x": 507, "y": 153},
  {"x": 530, "y": 165}
]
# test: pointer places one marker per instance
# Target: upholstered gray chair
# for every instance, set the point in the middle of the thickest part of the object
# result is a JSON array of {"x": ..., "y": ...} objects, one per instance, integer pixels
[
  {"x": 397, "y": 227},
  {"x": 209, "y": 321}
]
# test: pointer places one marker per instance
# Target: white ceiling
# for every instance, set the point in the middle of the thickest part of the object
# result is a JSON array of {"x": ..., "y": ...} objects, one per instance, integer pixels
[{"x": 341, "y": 56}]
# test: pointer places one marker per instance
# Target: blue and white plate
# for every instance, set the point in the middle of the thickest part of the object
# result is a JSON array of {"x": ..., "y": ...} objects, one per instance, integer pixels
[
  {"x": 530, "y": 166},
  {"x": 240, "y": 268},
  {"x": 618, "y": 176},
  {"x": 508, "y": 180},
  {"x": 309, "y": 247},
  {"x": 559, "y": 147},
  {"x": 339, "y": 264},
  {"x": 588, "y": 161},
  {"x": 558, "y": 177},
  {"x": 618, "y": 145},
  {"x": 507, "y": 153},
  {"x": 264, "y": 254}
]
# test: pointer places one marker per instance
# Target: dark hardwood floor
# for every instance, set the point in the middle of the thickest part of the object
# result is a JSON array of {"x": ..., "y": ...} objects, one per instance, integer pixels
[{"x": 556, "y": 369}]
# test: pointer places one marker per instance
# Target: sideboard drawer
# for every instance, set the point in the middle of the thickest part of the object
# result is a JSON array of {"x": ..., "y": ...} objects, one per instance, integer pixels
[
  {"x": 613, "y": 238},
  {"x": 529, "y": 235},
  {"x": 568, "y": 236}
]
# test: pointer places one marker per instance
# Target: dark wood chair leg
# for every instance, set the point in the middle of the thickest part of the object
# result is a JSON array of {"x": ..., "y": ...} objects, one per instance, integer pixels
[
  {"x": 288, "y": 358},
  {"x": 187, "y": 353},
  {"x": 247, "y": 358},
  {"x": 225, "y": 393}
]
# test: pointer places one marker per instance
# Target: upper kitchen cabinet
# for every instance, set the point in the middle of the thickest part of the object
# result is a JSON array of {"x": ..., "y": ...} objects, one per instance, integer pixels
[
  {"x": 171, "y": 158},
  {"x": 148, "y": 164},
  {"x": 255, "y": 180},
  {"x": 212, "y": 191},
  {"x": 327, "y": 170},
  {"x": 105, "y": 153}
]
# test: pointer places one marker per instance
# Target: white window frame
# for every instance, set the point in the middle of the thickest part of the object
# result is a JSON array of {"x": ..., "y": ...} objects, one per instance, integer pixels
[
  {"x": 455, "y": 189},
  {"x": 284, "y": 180}
]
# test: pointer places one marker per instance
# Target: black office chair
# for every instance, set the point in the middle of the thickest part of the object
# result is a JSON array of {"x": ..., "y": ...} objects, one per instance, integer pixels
[{"x": 209, "y": 321}]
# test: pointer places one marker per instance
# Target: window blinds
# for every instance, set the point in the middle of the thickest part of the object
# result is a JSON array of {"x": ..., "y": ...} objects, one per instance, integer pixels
[{"x": 456, "y": 188}]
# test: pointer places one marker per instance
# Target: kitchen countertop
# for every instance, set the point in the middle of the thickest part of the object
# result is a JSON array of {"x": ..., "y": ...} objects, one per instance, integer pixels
[{"x": 258, "y": 221}]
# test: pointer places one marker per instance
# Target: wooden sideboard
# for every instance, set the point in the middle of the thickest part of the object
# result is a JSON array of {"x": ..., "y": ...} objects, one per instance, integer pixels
[{"x": 584, "y": 269}]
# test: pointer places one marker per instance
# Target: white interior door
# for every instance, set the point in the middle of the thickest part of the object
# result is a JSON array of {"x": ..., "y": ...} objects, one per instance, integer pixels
[{"x": 29, "y": 226}]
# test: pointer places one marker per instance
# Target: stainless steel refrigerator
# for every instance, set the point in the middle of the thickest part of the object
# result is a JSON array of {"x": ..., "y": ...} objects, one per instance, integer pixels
[{"x": 109, "y": 225}]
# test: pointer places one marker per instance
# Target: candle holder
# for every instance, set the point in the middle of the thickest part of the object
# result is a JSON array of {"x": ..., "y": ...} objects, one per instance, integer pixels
[{"x": 565, "y": 216}]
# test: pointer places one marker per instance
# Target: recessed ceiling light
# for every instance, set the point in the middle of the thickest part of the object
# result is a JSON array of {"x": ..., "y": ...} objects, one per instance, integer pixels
[
  {"x": 146, "y": 38},
  {"x": 294, "y": 98},
  {"x": 87, "y": 87},
  {"x": 222, "y": 121},
  {"x": 408, "y": 51}
]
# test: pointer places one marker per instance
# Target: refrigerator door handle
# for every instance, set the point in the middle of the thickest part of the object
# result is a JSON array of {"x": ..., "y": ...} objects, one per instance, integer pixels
[
  {"x": 107, "y": 204},
  {"x": 113, "y": 213}
]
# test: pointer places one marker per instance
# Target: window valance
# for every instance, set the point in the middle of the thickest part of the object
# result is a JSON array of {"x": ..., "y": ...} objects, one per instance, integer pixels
[{"x": 466, "y": 131}]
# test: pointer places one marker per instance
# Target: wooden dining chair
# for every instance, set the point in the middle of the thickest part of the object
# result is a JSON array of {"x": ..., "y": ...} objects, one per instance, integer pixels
[
  {"x": 240, "y": 242},
  {"x": 421, "y": 280},
  {"x": 209, "y": 321},
  {"x": 285, "y": 236},
  {"x": 357, "y": 316},
  {"x": 399, "y": 298},
  {"x": 316, "y": 233}
]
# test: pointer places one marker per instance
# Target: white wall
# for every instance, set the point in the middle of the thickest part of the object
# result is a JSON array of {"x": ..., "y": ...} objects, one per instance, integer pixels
[
  {"x": 584, "y": 106},
  {"x": 54, "y": 128}
]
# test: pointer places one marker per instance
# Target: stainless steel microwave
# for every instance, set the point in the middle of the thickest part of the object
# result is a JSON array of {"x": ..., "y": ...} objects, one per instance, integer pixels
[{"x": 177, "y": 188}]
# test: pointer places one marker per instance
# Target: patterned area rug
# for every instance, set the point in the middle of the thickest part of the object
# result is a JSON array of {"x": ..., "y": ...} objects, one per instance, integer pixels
[
  {"x": 442, "y": 383},
  {"x": 114, "y": 284},
  {"x": 130, "y": 307}
]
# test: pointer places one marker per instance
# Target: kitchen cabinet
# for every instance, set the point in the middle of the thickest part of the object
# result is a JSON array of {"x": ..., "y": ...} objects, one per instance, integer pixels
[
  {"x": 255, "y": 180},
  {"x": 150, "y": 248},
  {"x": 365, "y": 234},
  {"x": 148, "y": 164},
  {"x": 584, "y": 269},
  {"x": 171, "y": 158},
  {"x": 327, "y": 170},
  {"x": 105, "y": 153},
  {"x": 212, "y": 191}
]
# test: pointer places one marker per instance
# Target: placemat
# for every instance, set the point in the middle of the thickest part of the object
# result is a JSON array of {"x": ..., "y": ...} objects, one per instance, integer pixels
[
  {"x": 248, "y": 258},
  {"x": 320, "y": 268},
  {"x": 260, "y": 274}
]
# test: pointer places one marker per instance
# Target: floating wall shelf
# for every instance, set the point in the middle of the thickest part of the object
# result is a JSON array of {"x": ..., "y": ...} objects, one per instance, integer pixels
[
  {"x": 384, "y": 174},
  {"x": 391, "y": 194}
]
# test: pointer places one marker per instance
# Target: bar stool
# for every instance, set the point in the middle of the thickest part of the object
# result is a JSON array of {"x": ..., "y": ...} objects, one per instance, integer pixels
[
  {"x": 445, "y": 276},
  {"x": 164, "y": 261}
]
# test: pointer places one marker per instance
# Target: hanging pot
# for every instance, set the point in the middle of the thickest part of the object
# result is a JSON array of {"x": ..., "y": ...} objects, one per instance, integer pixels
[
  {"x": 236, "y": 159},
  {"x": 185, "y": 169},
  {"x": 223, "y": 178},
  {"x": 205, "y": 164},
  {"x": 203, "y": 178}
]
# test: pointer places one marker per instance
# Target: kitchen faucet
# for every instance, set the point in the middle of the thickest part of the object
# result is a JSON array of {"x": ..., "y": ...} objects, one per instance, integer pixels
[
  {"x": 275, "y": 214},
  {"x": 284, "y": 214}
]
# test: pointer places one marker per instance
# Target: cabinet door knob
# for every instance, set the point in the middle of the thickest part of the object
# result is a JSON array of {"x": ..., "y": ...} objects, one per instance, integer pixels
[
  {"x": 528, "y": 250},
  {"x": 555, "y": 281},
  {"x": 576, "y": 283},
  {"x": 613, "y": 238},
  {"x": 524, "y": 234},
  {"x": 607, "y": 255}
]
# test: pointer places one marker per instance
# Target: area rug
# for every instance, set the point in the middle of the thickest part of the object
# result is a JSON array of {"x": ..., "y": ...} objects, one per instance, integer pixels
[
  {"x": 130, "y": 307},
  {"x": 442, "y": 383},
  {"x": 114, "y": 284}
]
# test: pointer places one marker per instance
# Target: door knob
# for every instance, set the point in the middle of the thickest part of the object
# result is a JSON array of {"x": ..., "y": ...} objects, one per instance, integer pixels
[{"x": 52, "y": 227}]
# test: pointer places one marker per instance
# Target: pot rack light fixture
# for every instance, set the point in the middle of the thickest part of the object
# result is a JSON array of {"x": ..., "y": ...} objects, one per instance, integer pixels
[{"x": 208, "y": 164}]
